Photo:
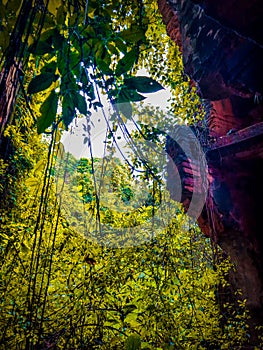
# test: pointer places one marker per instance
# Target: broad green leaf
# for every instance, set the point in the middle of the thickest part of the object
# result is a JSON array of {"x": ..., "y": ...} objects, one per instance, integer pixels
[
  {"x": 104, "y": 67},
  {"x": 143, "y": 84},
  {"x": 62, "y": 63},
  {"x": 127, "y": 95},
  {"x": 4, "y": 39},
  {"x": 49, "y": 67},
  {"x": 41, "y": 48},
  {"x": 48, "y": 112},
  {"x": 46, "y": 36},
  {"x": 13, "y": 6},
  {"x": 121, "y": 45},
  {"x": 84, "y": 78},
  {"x": 112, "y": 48},
  {"x": 61, "y": 15},
  {"x": 102, "y": 57},
  {"x": 57, "y": 40},
  {"x": 133, "y": 34},
  {"x": 80, "y": 103},
  {"x": 126, "y": 63},
  {"x": 49, "y": 21},
  {"x": 89, "y": 32},
  {"x": 68, "y": 110},
  {"x": 68, "y": 84},
  {"x": 72, "y": 19},
  {"x": 41, "y": 82},
  {"x": 86, "y": 49}
]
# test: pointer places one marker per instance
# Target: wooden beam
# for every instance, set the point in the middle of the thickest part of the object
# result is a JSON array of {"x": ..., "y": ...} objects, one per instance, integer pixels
[{"x": 239, "y": 141}]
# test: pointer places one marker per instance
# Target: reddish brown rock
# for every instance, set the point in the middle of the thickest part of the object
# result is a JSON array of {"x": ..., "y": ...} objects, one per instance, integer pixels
[
  {"x": 222, "y": 47},
  {"x": 170, "y": 18}
]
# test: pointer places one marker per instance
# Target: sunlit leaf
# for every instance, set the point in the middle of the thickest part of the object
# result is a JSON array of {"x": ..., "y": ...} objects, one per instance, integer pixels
[
  {"x": 32, "y": 182},
  {"x": 40, "y": 166},
  {"x": 53, "y": 5}
]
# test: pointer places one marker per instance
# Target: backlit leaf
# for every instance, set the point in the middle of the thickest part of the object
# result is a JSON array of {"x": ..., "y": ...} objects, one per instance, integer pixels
[
  {"x": 143, "y": 84},
  {"x": 53, "y": 5},
  {"x": 127, "y": 95}
]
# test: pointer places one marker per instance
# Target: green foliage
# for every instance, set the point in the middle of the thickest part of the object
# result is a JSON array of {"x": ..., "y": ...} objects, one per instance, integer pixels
[
  {"x": 126, "y": 95},
  {"x": 24, "y": 148},
  {"x": 163, "y": 60},
  {"x": 48, "y": 112},
  {"x": 61, "y": 285},
  {"x": 41, "y": 82},
  {"x": 133, "y": 342},
  {"x": 143, "y": 84},
  {"x": 126, "y": 63}
]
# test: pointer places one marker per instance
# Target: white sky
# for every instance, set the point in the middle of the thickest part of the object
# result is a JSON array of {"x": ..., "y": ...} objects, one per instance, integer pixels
[{"x": 73, "y": 140}]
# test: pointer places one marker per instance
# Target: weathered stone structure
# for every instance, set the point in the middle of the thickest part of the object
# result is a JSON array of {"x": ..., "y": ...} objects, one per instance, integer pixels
[{"x": 222, "y": 47}]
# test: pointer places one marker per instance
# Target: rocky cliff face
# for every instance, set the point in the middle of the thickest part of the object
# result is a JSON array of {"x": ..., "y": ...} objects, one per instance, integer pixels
[{"x": 222, "y": 47}]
